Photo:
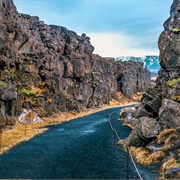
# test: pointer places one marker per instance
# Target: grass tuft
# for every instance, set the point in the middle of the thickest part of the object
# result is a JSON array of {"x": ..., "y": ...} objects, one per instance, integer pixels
[
  {"x": 176, "y": 98},
  {"x": 165, "y": 134},
  {"x": 171, "y": 163},
  {"x": 28, "y": 92},
  {"x": 145, "y": 157}
]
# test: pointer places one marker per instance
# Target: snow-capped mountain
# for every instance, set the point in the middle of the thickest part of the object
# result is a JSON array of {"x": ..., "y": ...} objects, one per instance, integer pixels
[{"x": 151, "y": 62}]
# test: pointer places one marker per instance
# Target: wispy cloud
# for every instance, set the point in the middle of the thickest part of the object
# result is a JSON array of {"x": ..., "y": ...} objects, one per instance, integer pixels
[
  {"x": 116, "y": 27},
  {"x": 114, "y": 45}
]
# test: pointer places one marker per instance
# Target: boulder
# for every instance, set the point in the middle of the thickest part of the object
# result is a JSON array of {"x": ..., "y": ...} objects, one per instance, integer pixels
[
  {"x": 127, "y": 115},
  {"x": 148, "y": 127},
  {"x": 169, "y": 114},
  {"x": 172, "y": 173},
  {"x": 153, "y": 106},
  {"x": 144, "y": 132},
  {"x": 8, "y": 92},
  {"x": 78, "y": 68}
]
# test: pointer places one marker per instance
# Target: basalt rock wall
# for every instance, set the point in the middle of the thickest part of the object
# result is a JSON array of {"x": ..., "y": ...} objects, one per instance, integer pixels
[
  {"x": 49, "y": 68},
  {"x": 159, "y": 108}
]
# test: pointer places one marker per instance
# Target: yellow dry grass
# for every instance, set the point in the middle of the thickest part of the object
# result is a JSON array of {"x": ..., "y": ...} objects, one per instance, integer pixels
[
  {"x": 168, "y": 144},
  {"x": 13, "y": 137},
  {"x": 121, "y": 143},
  {"x": 137, "y": 96},
  {"x": 155, "y": 157},
  {"x": 128, "y": 125},
  {"x": 167, "y": 137},
  {"x": 144, "y": 157},
  {"x": 164, "y": 134},
  {"x": 119, "y": 99},
  {"x": 37, "y": 90},
  {"x": 171, "y": 163}
]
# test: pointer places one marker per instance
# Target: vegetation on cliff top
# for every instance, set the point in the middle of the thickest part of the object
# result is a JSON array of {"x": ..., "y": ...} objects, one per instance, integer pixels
[{"x": 172, "y": 83}]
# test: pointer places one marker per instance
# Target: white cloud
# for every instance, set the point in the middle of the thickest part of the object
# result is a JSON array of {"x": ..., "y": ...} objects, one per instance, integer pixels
[{"x": 114, "y": 45}]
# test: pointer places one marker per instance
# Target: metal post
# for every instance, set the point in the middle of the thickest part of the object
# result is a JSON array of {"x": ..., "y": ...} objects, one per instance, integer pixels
[{"x": 127, "y": 164}]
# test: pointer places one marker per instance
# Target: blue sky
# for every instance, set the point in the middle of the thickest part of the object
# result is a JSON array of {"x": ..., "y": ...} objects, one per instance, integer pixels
[{"x": 116, "y": 27}]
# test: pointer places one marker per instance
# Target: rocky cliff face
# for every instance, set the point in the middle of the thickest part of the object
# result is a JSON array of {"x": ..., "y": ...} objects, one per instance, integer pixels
[
  {"x": 150, "y": 62},
  {"x": 49, "y": 68},
  {"x": 159, "y": 108}
]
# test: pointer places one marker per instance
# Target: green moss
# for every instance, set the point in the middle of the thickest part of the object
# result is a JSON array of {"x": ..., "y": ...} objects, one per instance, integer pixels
[
  {"x": 176, "y": 30},
  {"x": 27, "y": 20},
  {"x": 3, "y": 84},
  {"x": 28, "y": 92},
  {"x": 94, "y": 84},
  {"x": 87, "y": 75},
  {"x": 172, "y": 83},
  {"x": 8, "y": 72},
  {"x": 95, "y": 73}
]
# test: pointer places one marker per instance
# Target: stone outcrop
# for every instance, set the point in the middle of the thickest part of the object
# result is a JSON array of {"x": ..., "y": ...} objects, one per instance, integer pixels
[
  {"x": 159, "y": 108},
  {"x": 49, "y": 68}
]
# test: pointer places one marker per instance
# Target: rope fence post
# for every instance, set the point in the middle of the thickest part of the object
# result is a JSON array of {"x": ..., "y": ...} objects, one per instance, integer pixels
[{"x": 25, "y": 130}]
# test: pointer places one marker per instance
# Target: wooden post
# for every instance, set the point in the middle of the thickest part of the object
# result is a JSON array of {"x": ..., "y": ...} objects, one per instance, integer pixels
[
  {"x": 114, "y": 143},
  {"x": 25, "y": 130},
  {"x": 127, "y": 164},
  {"x": 1, "y": 131}
]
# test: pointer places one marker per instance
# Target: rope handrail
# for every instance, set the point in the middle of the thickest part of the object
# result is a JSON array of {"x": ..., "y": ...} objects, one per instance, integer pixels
[{"x": 124, "y": 145}]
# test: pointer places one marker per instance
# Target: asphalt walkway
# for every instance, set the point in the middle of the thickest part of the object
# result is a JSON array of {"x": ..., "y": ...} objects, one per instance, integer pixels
[{"x": 79, "y": 149}]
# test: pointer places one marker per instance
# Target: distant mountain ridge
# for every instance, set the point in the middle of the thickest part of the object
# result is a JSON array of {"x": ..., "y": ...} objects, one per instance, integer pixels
[{"x": 151, "y": 62}]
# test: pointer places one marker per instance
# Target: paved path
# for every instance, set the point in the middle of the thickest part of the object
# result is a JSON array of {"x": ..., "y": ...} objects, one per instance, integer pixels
[{"x": 79, "y": 149}]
